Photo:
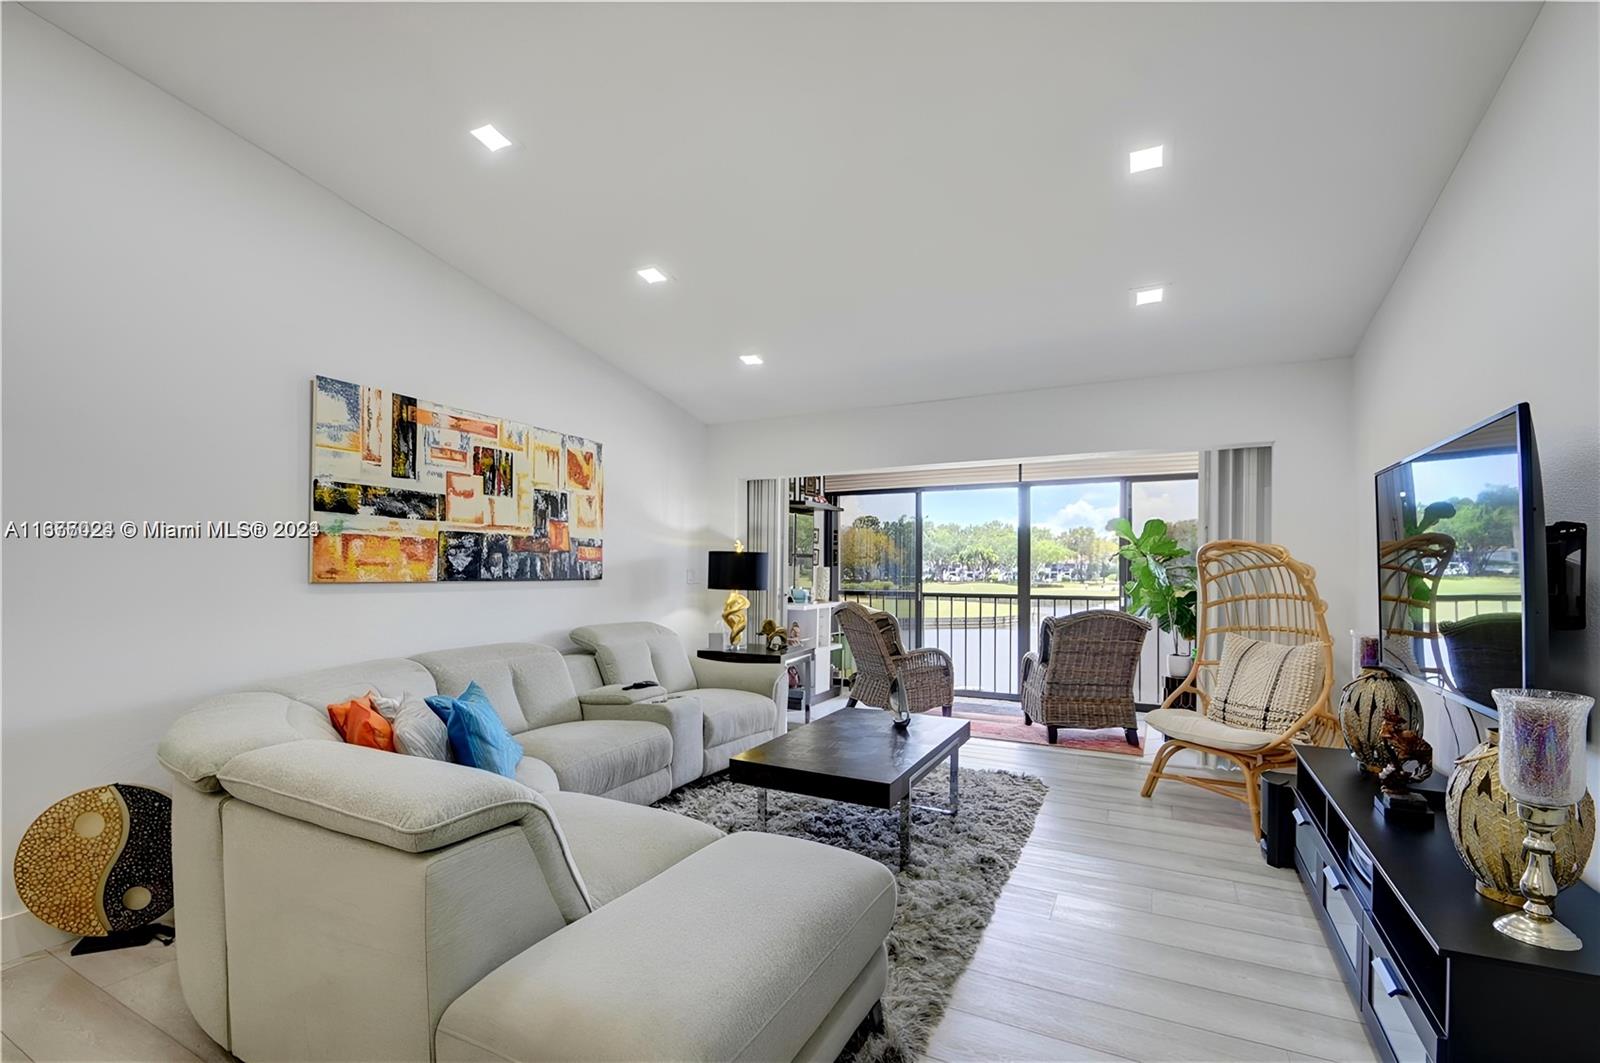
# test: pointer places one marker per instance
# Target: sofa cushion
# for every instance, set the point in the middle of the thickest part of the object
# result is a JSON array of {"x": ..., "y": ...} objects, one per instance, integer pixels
[
  {"x": 731, "y": 714},
  {"x": 617, "y": 846},
  {"x": 758, "y": 978},
  {"x": 477, "y": 737},
  {"x": 418, "y": 731},
  {"x": 584, "y": 671},
  {"x": 390, "y": 677},
  {"x": 666, "y": 649},
  {"x": 360, "y": 724},
  {"x": 595, "y": 756},
  {"x": 1192, "y": 726},
  {"x": 528, "y": 683},
  {"x": 535, "y": 774},
  {"x": 625, "y": 663}
]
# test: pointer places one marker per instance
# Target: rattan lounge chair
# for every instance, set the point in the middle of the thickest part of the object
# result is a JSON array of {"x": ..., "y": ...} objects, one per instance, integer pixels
[{"x": 1260, "y": 592}]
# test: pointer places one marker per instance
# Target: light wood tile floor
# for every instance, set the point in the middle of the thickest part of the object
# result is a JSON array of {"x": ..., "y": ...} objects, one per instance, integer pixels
[{"x": 1131, "y": 930}]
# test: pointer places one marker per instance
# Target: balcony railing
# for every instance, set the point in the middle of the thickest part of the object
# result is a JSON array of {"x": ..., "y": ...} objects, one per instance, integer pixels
[{"x": 981, "y": 633}]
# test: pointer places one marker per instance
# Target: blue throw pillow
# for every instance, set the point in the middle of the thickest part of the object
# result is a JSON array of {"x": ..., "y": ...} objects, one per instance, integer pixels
[{"x": 477, "y": 737}]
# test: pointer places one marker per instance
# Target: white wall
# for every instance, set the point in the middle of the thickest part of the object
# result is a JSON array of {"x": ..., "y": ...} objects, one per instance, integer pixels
[
  {"x": 1497, "y": 304},
  {"x": 1303, "y": 410},
  {"x": 170, "y": 291}
]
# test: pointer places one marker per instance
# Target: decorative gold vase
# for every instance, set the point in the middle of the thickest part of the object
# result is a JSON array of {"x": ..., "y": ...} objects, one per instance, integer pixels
[
  {"x": 1362, "y": 708},
  {"x": 1488, "y": 833}
]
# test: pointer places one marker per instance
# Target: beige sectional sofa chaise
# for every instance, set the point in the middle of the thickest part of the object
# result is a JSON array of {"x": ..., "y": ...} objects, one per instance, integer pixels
[{"x": 339, "y": 902}]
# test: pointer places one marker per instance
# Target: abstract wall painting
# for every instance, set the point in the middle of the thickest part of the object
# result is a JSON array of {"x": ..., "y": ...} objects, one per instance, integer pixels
[{"x": 407, "y": 490}]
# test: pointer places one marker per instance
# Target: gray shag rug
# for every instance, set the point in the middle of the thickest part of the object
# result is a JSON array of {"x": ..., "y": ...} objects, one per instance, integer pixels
[{"x": 958, "y": 867}]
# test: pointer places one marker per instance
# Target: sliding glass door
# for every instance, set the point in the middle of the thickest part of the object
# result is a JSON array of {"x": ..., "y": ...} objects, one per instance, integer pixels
[
  {"x": 969, "y": 582},
  {"x": 974, "y": 570}
]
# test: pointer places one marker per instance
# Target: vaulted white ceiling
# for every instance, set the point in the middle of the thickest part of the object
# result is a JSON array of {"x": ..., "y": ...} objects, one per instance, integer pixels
[{"x": 891, "y": 203}]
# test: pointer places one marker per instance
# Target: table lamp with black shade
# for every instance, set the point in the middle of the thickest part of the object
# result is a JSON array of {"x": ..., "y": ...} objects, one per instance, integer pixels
[{"x": 736, "y": 571}]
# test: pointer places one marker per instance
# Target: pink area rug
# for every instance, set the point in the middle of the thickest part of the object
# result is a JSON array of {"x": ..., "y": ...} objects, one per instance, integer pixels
[{"x": 1012, "y": 729}]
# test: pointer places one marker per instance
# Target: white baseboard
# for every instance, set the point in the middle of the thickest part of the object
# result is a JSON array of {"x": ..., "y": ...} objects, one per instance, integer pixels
[{"x": 21, "y": 934}]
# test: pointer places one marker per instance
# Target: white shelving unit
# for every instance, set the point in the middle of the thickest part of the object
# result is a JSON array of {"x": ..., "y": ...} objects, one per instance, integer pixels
[{"x": 816, "y": 628}]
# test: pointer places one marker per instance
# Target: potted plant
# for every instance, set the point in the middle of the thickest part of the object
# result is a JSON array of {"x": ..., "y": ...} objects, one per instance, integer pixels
[{"x": 1161, "y": 584}]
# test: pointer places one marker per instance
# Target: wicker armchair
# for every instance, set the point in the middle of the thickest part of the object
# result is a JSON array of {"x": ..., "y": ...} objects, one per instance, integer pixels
[
  {"x": 1260, "y": 592},
  {"x": 1086, "y": 679},
  {"x": 926, "y": 675}
]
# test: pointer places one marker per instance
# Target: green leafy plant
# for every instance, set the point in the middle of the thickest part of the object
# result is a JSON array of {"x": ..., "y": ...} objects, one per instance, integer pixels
[{"x": 1161, "y": 579}]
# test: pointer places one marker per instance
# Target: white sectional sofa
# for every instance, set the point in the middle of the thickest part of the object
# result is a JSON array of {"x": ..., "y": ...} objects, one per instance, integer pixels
[
  {"x": 741, "y": 705},
  {"x": 339, "y": 902}
]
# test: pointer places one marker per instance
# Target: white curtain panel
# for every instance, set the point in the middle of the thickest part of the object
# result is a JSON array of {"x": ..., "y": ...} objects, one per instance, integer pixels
[
  {"x": 767, "y": 530},
  {"x": 1236, "y": 494}
]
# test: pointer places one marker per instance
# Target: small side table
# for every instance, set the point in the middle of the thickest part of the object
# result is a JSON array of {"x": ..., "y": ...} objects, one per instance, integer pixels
[
  {"x": 797, "y": 654},
  {"x": 1173, "y": 682}
]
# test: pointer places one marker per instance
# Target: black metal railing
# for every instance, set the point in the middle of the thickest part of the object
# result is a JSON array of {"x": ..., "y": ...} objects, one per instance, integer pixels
[
  {"x": 982, "y": 634},
  {"x": 1451, "y": 607}
]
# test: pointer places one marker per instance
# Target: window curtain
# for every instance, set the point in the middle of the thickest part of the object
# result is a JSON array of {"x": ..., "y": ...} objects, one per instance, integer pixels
[
  {"x": 1236, "y": 494},
  {"x": 767, "y": 531}
]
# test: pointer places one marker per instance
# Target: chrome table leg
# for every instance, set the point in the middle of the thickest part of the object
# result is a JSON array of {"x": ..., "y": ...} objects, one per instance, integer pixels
[
  {"x": 905, "y": 832},
  {"x": 955, "y": 781}
]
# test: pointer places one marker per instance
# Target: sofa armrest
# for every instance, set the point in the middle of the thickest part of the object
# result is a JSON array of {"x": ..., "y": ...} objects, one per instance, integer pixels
[
  {"x": 770, "y": 680},
  {"x": 410, "y": 803},
  {"x": 681, "y": 716},
  {"x": 413, "y": 804},
  {"x": 615, "y": 694}
]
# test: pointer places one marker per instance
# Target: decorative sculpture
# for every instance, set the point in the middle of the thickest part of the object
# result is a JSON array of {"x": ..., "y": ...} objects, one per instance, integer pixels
[
  {"x": 1364, "y": 706},
  {"x": 99, "y": 864},
  {"x": 777, "y": 638},
  {"x": 1488, "y": 833},
  {"x": 1405, "y": 759}
]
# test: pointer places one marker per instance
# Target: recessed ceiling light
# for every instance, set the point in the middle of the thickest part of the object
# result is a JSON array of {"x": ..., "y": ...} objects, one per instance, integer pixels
[
  {"x": 1146, "y": 159},
  {"x": 1146, "y": 296},
  {"x": 652, "y": 275},
  {"x": 750, "y": 359},
  {"x": 491, "y": 137}
]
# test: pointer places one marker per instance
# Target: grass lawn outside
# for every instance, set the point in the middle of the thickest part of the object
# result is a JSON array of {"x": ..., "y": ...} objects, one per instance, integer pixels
[
  {"x": 1461, "y": 586},
  {"x": 1485, "y": 589},
  {"x": 945, "y": 601}
]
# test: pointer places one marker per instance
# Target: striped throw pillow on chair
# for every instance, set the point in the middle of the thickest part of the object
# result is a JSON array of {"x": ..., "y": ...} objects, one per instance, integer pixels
[{"x": 1265, "y": 686}]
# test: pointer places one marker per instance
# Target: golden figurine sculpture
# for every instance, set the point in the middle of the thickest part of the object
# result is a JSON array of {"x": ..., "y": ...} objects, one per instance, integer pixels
[
  {"x": 733, "y": 609},
  {"x": 777, "y": 638},
  {"x": 733, "y": 615}
]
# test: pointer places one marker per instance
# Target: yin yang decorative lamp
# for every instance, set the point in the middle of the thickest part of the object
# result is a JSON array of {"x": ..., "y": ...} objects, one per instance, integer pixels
[{"x": 1542, "y": 760}]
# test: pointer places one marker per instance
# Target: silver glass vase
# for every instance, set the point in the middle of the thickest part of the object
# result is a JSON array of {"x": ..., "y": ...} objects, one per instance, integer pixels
[{"x": 1543, "y": 755}]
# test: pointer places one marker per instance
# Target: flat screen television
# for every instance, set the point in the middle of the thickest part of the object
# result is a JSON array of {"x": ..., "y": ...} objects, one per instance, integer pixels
[{"x": 1462, "y": 596}]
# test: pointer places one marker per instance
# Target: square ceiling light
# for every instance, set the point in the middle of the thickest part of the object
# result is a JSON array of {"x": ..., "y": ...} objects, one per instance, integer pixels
[
  {"x": 491, "y": 138},
  {"x": 750, "y": 359},
  {"x": 1147, "y": 159},
  {"x": 1148, "y": 296},
  {"x": 652, "y": 275}
]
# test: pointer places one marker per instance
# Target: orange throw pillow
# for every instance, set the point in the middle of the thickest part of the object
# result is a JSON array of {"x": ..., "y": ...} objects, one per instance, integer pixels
[{"x": 360, "y": 724}]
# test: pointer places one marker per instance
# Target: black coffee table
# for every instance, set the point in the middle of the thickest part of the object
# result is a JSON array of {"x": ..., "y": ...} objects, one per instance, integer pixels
[{"x": 859, "y": 756}]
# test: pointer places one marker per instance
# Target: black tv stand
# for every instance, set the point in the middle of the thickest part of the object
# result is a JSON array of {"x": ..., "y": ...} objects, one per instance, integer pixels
[{"x": 1415, "y": 942}]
